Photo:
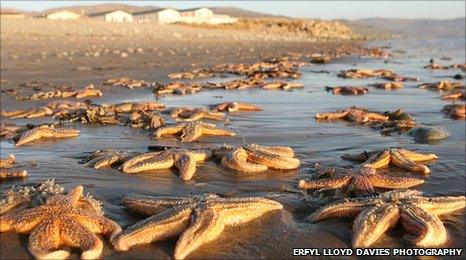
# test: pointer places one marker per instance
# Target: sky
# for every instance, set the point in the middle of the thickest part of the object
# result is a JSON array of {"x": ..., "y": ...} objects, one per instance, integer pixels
[{"x": 304, "y": 9}]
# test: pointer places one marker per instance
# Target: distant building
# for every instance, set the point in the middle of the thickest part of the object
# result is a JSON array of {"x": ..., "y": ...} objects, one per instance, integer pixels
[
  {"x": 63, "y": 15},
  {"x": 162, "y": 15},
  {"x": 196, "y": 15},
  {"x": 11, "y": 13},
  {"x": 118, "y": 16}
]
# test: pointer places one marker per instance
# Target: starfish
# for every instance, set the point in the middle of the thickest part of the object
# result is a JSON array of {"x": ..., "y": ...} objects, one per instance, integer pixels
[
  {"x": 126, "y": 82},
  {"x": 197, "y": 220},
  {"x": 236, "y": 106},
  {"x": 456, "y": 111},
  {"x": 353, "y": 114},
  {"x": 31, "y": 113},
  {"x": 455, "y": 96},
  {"x": 361, "y": 181},
  {"x": 62, "y": 221},
  {"x": 88, "y": 91},
  {"x": 282, "y": 85},
  {"x": 399, "y": 78},
  {"x": 192, "y": 131},
  {"x": 194, "y": 114},
  {"x": 183, "y": 159},
  {"x": 400, "y": 157},
  {"x": 442, "y": 85},
  {"x": 106, "y": 158},
  {"x": 9, "y": 131},
  {"x": 7, "y": 163},
  {"x": 177, "y": 88},
  {"x": 375, "y": 215},
  {"x": 388, "y": 85},
  {"x": 236, "y": 84},
  {"x": 45, "y": 131},
  {"x": 364, "y": 73},
  {"x": 347, "y": 90},
  {"x": 256, "y": 158}
]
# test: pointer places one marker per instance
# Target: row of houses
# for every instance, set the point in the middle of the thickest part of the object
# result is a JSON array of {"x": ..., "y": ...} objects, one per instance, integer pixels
[{"x": 160, "y": 15}]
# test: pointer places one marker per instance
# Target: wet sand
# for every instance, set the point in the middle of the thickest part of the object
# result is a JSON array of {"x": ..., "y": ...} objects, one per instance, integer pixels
[{"x": 287, "y": 119}]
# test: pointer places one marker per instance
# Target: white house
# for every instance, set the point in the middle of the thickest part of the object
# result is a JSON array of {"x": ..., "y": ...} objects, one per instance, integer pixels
[
  {"x": 162, "y": 15},
  {"x": 118, "y": 16},
  {"x": 63, "y": 15},
  {"x": 196, "y": 15}
]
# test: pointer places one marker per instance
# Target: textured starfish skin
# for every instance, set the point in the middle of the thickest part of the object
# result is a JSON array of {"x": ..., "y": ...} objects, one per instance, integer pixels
[
  {"x": 107, "y": 158},
  {"x": 255, "y": 158},
  {"x": 347, "y": 90},
  {"x": 62, "y": 221},
  {"x": 196, "y": 221},
  {"x": 6, "y": 172},
  {"x": 192, "y": 131},
  {"x": 375, "y": 215},
  {"x": 183, "y": 159},
  {"x": 45, "y": 132},
  {"x": 362, "y": 181},
  {"x": 236, "y": 106},
  {"x": 353, "y": 115},
  {"x": 400, "y": 157}
]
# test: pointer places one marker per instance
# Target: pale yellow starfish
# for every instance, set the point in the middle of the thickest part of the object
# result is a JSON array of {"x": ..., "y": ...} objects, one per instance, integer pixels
[
  {"x": 194, "y": 114},
  {"x": 192, "y": 131},
  {"x": 363, "y": 181},
  {"x": 198, "y": 220},
  {"x": 62, "y": 221},
  {"x": 400, "y": 157},
  {"x": 105, "y": 158},
  {"x": 257, "y": 158},
  {"x": 183, "y": 159},
  {"x": 376, "y": 215},
  {"x": 45, "y": 132},
  {"x": 353, "y": 114}
]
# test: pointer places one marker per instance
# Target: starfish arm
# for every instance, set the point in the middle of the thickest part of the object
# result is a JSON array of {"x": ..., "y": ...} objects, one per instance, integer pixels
[
  {"x": 403, "y": 162},
  {"x": 251, "y": 107},
  {"x": 74, "y": 234},
  {"x": 379, "y": 159},
  {"x": 12, "y": 174},
  {"x": 237, "y": 160},
  {"x": 334, "y": 183},
  {"x": 23, "y": 221},
  {"x": 199, "y": 155},
  {"x": 372, "y": 223},
  {"x": 383, "y": 181},
  {"x": 417, "y": 157},
  {"x": 272, "y": 161},
  {"x": 428, "y": 227},
  {"x": 191, "y": 133},
  {"x": 44, "y": 240},
  {"x": 29, "y": 136},
  {"x": 144, "y": 163},
  {"x": 98, "y": 224},
  {"x": 334, "y": 115},
  {"x": 214, "y": 115},
  {"x": 441, "y": 205},
  {"x": 61, "y": 133},
  {"x": 151, "y": 205},
  {"x": 196, "y": 116},
  {"x": 221, "y": 106},
  {"x": 169, "y": 223},
  {"x": 345, "y": 208},
  {"x": 167, "y": 130},
  {"x": 186, "y": 165},
  {"x": 216, "y": 131},
  {"x": 207, "y": 226},
  {"x": 278, "y": 150}
]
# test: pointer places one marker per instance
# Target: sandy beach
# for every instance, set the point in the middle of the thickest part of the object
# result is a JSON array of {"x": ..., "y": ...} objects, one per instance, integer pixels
[{"x": 78, "y": 53}]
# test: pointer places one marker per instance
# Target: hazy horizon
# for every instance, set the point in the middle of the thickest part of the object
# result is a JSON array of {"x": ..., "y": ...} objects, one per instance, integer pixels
[{"x": 302, "y": 9}]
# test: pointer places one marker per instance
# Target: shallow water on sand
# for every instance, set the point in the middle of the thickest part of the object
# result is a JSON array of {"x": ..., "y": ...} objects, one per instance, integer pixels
[{"x": 287, "y": 119}]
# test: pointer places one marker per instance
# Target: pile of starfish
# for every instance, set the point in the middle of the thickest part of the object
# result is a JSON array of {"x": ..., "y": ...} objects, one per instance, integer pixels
[
  {"x": 126, "y": 82},
  {"x": 88, "y": 91}
]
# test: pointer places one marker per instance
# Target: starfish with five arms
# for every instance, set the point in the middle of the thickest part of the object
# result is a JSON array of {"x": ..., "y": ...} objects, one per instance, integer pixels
[
  {"x": 197, "y": 220},
  {"x": 257, "y": 158},
  {"x": 45, "y": 131},
  {"x": 63, "y": 221},
  {"x": 361, "y": 182},
  {"x": 183, "y": 159},
  {"x": 375, "y": 215},
  {"x": 400, "y": 157},
  {"x": 353, "y": 114},
  {"x": 192, "y": 131}
]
